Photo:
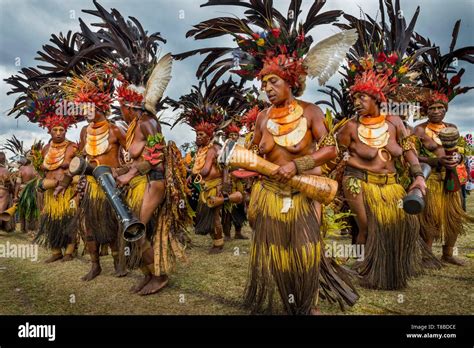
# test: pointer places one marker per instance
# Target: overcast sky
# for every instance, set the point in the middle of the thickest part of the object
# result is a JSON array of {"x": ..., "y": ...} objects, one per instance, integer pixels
[{"x": 25, "y": 25}]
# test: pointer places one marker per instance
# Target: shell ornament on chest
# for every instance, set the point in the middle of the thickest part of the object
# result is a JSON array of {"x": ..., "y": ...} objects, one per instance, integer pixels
[
  {"x": 373, "y": 131},
  {"x": 287, "y": 125},
  {"x": 432, "y": 130},
  {"x": 97, "y": 138},
  {"x": 200, "y": 159},
  {"x": 55, "y": 155}
]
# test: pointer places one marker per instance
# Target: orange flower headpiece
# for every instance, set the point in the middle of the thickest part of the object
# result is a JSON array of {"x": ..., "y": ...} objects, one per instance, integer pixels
[
  {"x": 48, "y": 113},
  {"x": 205, "y": 127},
  {"x": 54, "y": 120},
  {"x": 373, "y": 84},
  {"x": 289, "y": 68},
  {"x": 129, "y": 96},
  {"x": 438, "y": 97}
]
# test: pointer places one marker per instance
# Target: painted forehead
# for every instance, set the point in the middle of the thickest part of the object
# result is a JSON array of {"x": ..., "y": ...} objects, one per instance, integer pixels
[
  {"x": 437, "y": 105},
  {"x": 269, "y": 76}
]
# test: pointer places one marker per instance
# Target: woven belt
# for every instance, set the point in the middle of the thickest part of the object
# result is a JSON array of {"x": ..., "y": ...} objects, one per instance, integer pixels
[{"x": 371, "y": 178}]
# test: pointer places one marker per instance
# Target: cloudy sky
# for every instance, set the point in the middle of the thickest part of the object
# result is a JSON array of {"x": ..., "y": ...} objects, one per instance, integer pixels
[{"x": 25, "y": 25}]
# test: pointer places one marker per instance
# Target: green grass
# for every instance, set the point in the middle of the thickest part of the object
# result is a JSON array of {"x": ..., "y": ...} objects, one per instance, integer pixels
[{"x": 208, "y": 284}]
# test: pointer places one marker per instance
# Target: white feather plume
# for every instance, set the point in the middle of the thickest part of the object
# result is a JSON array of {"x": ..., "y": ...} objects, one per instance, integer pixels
[
  {"x": 157, "y": 83},
  {"x": 326, "y": 57}
]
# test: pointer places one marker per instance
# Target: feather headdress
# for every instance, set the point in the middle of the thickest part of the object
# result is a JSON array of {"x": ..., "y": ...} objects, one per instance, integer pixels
[
  {"x": 144, "y": 77},
  {"x": 281, "y": 44},
  {"x": 437, "y": 68},
  {"x": 40, "y": 99},
  {"x": 382, "y": 62},
  {"x": 210, "y": 106}
]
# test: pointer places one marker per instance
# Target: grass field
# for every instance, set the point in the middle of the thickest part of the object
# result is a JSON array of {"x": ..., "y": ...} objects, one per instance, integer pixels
[{"x": 208, "y": 284}]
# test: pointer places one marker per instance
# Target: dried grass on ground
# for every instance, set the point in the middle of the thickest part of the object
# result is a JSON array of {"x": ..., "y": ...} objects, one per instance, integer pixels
[{"x": 208, "y": 284}]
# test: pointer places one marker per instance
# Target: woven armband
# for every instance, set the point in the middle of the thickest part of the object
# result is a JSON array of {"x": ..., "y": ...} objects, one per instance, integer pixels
[
  {"x": 415, "y": 170},
  {"x": 304, "y": 163},
  {"x": 143, "y": 167}
]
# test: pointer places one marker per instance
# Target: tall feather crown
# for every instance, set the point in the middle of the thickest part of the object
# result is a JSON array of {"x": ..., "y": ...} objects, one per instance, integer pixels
[
  {"x": 384, "y": 46},
  {"x": 40, "y": 99},
  {"x": 210, "y": 104},
  {"x": 438, "y": 67},
  {"x": 279, "y": 46},
  {"x": 144, "y": 77}
]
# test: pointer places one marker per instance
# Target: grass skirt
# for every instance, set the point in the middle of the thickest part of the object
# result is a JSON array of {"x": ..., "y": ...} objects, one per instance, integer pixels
[
  {"x": 55, "y": 220},
  {"x": 287, "y": 253},
  {"x": 205, "y": 215},
  {"x": 98, "y": 215},
  {"x": 443, "y": 218},
  {"x": 392, "y": 251},
  {"x": 134, "y": 199}
]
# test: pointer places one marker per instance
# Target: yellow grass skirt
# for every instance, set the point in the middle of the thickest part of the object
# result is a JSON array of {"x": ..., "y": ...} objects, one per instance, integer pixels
[
  {"x": 98, "y": 215},
  {"x": 205, "y": 215},
  {"x": 166, "y": 246},
  {"x": 135, "y": 193},
  {"x": 56, "y": 217},
  {"x": 443, "y": 218},
  {"x": 392, "y": 252},
  {"x": 287, "y": 251}
]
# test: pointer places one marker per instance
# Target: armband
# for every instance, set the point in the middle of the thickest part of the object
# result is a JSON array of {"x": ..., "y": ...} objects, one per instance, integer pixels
[
  {"x": 143, "y": 167},
  {"x": 415, "y": 170},
  {"x": 122, "y": 170},
  {"x": 304, "y": 163}
]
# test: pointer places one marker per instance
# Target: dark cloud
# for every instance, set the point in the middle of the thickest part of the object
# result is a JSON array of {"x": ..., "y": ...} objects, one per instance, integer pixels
[{"x": 26, "y": 25}]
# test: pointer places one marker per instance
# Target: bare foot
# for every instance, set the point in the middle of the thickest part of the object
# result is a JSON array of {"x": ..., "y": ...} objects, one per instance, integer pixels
[
  {"x": 137, "y": 287},
  {"x": 94, "y": 272},
  {"x": 453, "y": 260},
  {"x": 54, "y": 257},
  {"x": 315, "y": 311},
  {"x": 154, "y": 285},
  {"x": 240, "y": 236},
  {"x": 227, "y": 238},
  {"x": 67, "y": 257},
  {"x": 120, "y": 270},
  {"x": 216, "y": 250}
]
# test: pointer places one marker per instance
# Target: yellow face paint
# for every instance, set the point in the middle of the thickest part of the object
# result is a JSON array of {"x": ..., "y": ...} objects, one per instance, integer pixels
[{"x": 269, "y": 76}]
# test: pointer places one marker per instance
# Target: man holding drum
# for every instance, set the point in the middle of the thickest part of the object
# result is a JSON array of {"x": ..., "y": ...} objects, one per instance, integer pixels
[{"x": 443, "y": 217}]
